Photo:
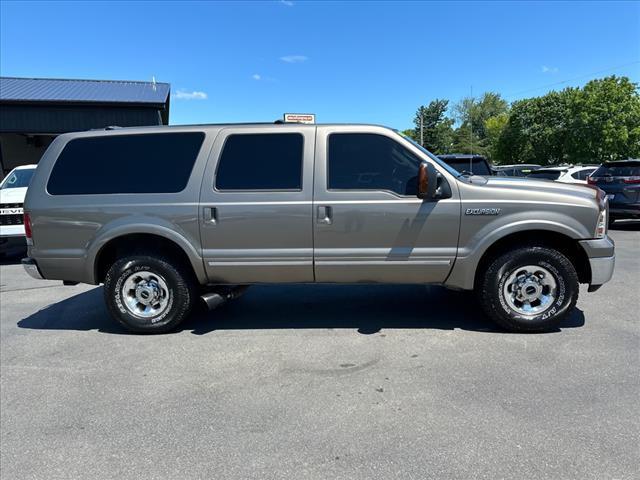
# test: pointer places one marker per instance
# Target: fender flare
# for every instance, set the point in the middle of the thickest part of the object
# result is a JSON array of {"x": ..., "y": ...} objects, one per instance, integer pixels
[{"x": 143, "y": 225}]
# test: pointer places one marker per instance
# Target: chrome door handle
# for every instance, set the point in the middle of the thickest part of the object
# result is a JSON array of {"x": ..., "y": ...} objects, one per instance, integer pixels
[
  {"x": 211, "y": 215},
  {"x": 325, "y": 214}
]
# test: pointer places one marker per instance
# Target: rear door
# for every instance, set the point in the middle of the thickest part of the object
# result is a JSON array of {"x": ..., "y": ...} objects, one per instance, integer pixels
[
  {"x": 369, "y": 224},
  {"x": 255, "y": 205}
]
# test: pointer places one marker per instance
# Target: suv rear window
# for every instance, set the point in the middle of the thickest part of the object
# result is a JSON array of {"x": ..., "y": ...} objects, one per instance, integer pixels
[
  {"x": 548, "y": 175},
  {"x": 148, "y": 163},
  {"x": 261, "y": 161},
  {"x": 627, "y": 169},
  {"x": 477, "y": 166}
]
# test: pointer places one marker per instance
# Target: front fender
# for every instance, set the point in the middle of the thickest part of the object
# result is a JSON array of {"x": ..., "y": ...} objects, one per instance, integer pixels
[{"x": 474, "y": 242}]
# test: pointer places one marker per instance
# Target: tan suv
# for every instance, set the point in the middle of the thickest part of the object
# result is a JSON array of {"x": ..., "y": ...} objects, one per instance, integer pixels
[{"x": 164, "y": 215}]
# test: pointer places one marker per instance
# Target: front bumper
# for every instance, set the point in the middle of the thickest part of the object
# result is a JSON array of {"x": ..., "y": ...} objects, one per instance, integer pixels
[
  {"x": 602, "y": 260},
  {"x": 31, "y": 267}
]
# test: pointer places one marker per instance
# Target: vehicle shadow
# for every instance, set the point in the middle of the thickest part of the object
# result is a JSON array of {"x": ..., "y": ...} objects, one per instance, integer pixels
[
  {"x": 626, "y": 225},
  {"x": 12, "y": 256},
  {"x": 368, "y": 309}
]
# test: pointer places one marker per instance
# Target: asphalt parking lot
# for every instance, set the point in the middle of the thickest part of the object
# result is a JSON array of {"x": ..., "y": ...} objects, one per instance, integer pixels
[{"x": 320, "y": 382}]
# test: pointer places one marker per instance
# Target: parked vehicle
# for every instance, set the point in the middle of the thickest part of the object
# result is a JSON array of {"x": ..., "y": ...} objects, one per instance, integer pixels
[
  {"x": 463, "y": 163},
  {"x": 564, "y": 174},
  {"x": 13, "y": 189},
  {"x": 517, "y": 170},
  {"x": 621, "y": 181},
  {"x": 162, "y": 214}
]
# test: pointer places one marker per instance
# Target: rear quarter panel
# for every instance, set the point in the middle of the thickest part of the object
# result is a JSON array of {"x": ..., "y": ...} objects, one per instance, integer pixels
[{"x": 70, "y": 230}]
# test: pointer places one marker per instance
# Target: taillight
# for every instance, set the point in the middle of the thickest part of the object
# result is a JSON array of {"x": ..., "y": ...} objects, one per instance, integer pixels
[
  {"x": 27, "y": 228},
  {"x": 634, "y": 179},
  {"x": 592, "y": 181}
]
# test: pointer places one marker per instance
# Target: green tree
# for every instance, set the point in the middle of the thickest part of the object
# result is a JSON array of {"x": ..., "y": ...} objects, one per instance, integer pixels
[
  {"x": 410, "y": 132},
  {"x": 605, "y": 121},
  {"x": 598, "y": 122},
  {"x": 472, "y": 115},
  {"x": 494, "y": 126},
  {"x": 432, "y": 127}
]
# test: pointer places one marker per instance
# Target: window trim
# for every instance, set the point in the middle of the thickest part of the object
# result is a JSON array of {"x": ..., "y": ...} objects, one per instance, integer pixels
[
  {"x": 382, "y": 190},
  {"x": 202, "y": 134},
  {"x": 259, "y": 190}
]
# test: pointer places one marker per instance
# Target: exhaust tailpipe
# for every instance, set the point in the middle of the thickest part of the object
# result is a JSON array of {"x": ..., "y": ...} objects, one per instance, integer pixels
[{"x": 220, "y": 297}]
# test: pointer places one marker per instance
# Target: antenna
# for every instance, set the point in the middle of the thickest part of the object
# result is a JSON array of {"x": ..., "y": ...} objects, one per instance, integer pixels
[{"x": 471, "y": 135}]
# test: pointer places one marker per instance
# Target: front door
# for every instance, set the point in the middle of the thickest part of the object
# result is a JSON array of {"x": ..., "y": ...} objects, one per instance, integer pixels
[
  {"x": 369, "y": 225},
  {"x": 255, "y": 205}
]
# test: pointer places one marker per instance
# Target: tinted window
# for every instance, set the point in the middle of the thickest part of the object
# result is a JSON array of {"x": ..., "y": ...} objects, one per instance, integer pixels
[
  {"x": 18, "y": 178},
  {"x": 627, "y": 169},
  {"x": 549, "y": 175},
  {"x": 582, "y": 174},
  {"x": 271, "y": 161},
  {"x": 153, "y": 163},
  {"x": 477, "y": 166},
  {"x": 365, "y": 161}
]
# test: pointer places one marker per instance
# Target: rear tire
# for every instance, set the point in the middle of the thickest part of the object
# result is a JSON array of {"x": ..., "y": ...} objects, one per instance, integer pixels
[
  {"x": 149, "y": 294},
  {"x": 529, "y": 289}
]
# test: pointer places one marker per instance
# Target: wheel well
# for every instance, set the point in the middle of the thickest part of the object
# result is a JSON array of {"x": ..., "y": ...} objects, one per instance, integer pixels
[
  {"x": 137, "y": 243},
  {"x": 542, "y": 238}
]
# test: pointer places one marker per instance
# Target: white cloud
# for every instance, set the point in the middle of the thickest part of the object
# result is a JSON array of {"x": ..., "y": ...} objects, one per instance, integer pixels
[
  {"x": 288, "y": 3},
  {"x": 256, "y": 76},
  {"x": 187, "y": 95},
  {"x": 294, "y": 58},
  {"x": 546, "y": 69}
]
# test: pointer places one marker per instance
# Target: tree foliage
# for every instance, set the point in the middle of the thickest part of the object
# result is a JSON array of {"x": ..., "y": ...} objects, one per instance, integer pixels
[
  {"x": 598, "y": 122},
  {"x": 432, "y": 127}
]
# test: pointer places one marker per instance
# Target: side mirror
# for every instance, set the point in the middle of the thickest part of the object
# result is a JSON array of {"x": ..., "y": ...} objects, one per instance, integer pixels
[{"x": 427, "y": 181}]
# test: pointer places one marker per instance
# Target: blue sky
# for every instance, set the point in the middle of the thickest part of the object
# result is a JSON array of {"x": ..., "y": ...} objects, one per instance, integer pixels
[{"x": 372, "y": 62}]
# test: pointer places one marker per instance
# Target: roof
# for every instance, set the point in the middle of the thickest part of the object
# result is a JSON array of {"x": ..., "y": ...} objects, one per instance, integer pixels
[
  {"x": 56, "y": 90},
  {"x": 630, "y": 161},
  {"x": 461, "y": 156},
  {"x": 25, "y": 167}
]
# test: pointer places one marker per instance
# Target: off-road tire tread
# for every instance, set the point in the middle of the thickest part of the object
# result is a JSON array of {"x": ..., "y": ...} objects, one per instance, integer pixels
[
  {"x": 185, "y": 293},
  {"x": 488, "y": 298}
]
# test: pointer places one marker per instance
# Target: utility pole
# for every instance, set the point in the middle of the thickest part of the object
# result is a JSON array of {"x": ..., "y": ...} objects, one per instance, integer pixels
[{"x": 422, "y": 126}]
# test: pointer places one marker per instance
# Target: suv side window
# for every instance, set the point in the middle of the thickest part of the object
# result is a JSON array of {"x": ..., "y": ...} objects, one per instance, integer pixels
[
  {"x": 147, "y": 163},
  {"x": 261, "y": 161},
  {"x": 368, "y": 161}
]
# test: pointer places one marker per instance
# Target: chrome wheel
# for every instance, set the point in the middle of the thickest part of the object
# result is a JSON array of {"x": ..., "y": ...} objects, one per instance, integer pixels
[
  {"x": 145, "y": 294},
  {"x": 530, "y": 290}
]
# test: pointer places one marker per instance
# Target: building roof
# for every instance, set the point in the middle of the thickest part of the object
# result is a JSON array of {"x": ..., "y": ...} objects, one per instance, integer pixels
[{"x": 56, "y": 90}]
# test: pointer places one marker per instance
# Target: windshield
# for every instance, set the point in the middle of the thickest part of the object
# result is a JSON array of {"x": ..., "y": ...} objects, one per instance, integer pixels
[
  {"x": 452, "y": 171},
  {"x": 18, "y": 178}
]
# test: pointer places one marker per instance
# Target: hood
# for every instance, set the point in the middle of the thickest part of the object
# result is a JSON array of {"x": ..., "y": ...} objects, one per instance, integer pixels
[
  {"x": 549, "y": 186},
  {"x": 13, "y": 195}
]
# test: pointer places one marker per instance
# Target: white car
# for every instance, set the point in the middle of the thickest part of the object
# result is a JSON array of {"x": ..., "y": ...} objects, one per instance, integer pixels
[
  {"x": 13, "y": 189},
  {"x": 568, "y": 174}
]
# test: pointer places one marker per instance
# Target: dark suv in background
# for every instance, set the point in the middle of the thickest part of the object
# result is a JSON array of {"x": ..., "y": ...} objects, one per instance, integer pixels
[
  {"x": 621, "y": 182},
  {"x": 467, "y": 163}
]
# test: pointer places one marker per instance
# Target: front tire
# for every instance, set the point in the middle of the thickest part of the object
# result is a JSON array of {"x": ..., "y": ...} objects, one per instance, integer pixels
[
  {"x": 529, "y": 289},
  {"x": 148, "y": 294}
]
